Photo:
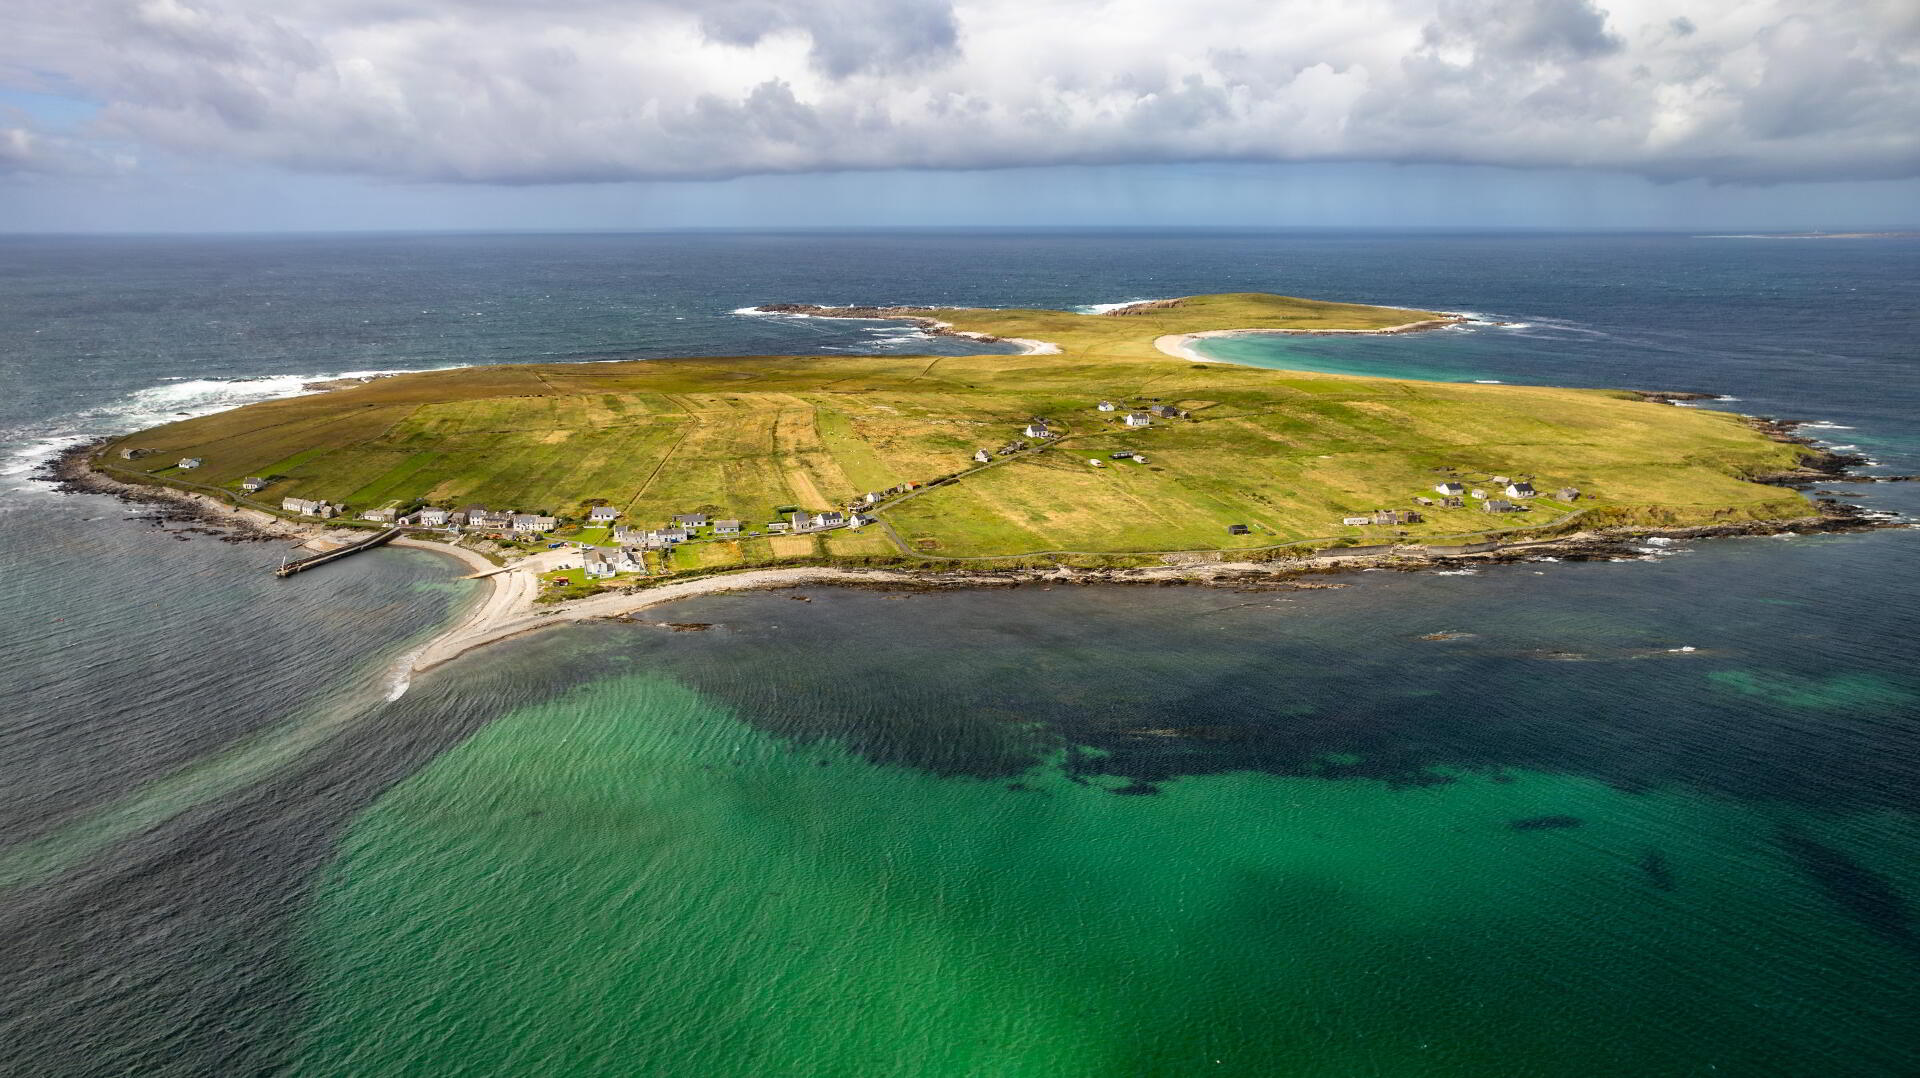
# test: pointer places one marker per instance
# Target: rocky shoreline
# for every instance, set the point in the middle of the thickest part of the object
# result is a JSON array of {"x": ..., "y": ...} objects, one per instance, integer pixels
[
  {"x": 72, "y": 472},
  {"x": 916, "y": 316}
]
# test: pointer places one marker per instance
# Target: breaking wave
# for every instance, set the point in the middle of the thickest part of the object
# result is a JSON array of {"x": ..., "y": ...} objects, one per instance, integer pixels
[{"x": 174, "y": 398}]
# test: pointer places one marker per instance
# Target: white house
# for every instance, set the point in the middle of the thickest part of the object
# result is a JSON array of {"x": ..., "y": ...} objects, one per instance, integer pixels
[
  {"x": 726, "y": 527},
  {"x": 602, "y": 514},
  {"x": 1139, "y": 419},
  {"x": 432, "y": 518},
  {"x": 1520, "y": 488},
  {"x": 189, "y": 463},
  {"x": 1356, "y": 520},
  {"x": 1450, "y": 489},
  {"x": 1108, "y": 406},
  {"x": 305, "y": 507},
  {"x": 1037, "y": 429},
  {"x": 981, "y": 456},
  {"x": 378, "y": 516},
  {"x": 596, "y": 563},
  {"x": 526, "y": 523},
  {"x": 252, "y": 483}
]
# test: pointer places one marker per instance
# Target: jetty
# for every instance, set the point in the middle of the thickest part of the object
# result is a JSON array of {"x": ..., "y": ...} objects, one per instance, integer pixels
[{"x": 380, "y": 538}]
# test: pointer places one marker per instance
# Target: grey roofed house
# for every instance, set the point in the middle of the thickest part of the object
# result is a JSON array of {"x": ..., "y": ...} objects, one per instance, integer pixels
[
  {"x": 691, "y": 520},
  {"x": 829, "y": 520},
  {"x": 1499, "y": 505},
  {"x": 1107, "y": 406},
  {"x": 533, "y": 522},
  {"x": 1520, "y": 488},
  {"x": 595, "y": 562},
  {"x": 1238, "y": 529},
  {"x": 726, "y": 527},
  {"x": 189, "y": 462},
  {"x": 1478, "y": 493},
  {"x": 1450, "y": 488},
  {"x": 982, "y": 456},
  {"x": 625, "y": 534},
  {"x": 1038, "y": 429},
  {"x": 378, "y": 516},
  {"x": 433, "y": 518},
  {"x": 1568, "y": 494},
  {"x": 1139, "y": 419},
  {"x": 779, "y": 525},
  {"x": 252, "y": 482},
  {"x": 675, "y": 535},
  {"x": 1124, "y": 454},
  {"x": 602, "y": 512},
  {"x": 1164, "y": 411}
]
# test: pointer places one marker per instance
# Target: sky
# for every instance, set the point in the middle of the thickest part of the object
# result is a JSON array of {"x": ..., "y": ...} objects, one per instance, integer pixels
[{"x": 218, "y": 115}]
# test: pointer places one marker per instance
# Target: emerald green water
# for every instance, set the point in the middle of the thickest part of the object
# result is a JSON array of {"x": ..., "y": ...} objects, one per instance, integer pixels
[{"x": 630, "y": 879}]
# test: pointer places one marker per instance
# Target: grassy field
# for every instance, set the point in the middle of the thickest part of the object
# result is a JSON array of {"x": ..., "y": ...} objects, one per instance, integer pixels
[{"x": 1286, "y": 453}]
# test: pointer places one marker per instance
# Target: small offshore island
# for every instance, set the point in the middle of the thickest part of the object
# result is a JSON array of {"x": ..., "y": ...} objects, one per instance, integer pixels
[{"x": 1106, "y": 449}]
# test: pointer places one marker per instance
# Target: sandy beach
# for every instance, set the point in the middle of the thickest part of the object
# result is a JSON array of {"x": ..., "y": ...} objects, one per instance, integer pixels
[
  {"x": 1180, "y": 345},
  {"x": 507, "y": 610}
]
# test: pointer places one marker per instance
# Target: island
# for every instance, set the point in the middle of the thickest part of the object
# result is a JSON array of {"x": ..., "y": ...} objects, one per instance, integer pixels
[{"x": 1104, "y": 444}]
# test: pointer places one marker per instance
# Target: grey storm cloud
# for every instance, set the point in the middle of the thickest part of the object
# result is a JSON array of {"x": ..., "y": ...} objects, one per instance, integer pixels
[{"x": 500, "y": 91}]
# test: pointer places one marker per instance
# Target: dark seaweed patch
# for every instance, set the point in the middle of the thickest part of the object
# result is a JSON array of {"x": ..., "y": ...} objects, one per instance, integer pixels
[
  {"x": 1865, "y": 895},
  {"x": 1654, "y": 864},
  {"x": 1545, "y": 823}
]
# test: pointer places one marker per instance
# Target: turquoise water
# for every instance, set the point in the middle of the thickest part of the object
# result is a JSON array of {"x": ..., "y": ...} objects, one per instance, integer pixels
[
  {"x": 659, "y": 871},
  {"x": 1497, "y": 823}
]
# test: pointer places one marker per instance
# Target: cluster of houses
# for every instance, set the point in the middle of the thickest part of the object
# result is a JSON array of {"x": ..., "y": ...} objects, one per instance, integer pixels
[
  {"x": 1040, "y": 429},
  {"x": 308, "y": 507},
  {"x": 1454, "y": 495},
  {"x": 1143, "y": 418}
]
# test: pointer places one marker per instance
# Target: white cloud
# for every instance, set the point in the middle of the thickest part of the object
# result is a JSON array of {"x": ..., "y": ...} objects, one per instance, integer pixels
[{"x": 500, "y": 91}]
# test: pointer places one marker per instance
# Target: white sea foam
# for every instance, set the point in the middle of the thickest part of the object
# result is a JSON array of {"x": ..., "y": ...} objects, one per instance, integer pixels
[
  {"x": 176, "y": 398},
  {"x": 1103, "y": 308},
  {"x": 1457, "y": 572},
  {"x": 1488, "y": 382},
  {"x": 1661, "y": 540},
  {"x": 1823, "y": 424}
]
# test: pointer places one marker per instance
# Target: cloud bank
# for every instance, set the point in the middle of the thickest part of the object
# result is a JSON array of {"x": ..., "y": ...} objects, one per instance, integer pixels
[{"x": 507, "y": 92}]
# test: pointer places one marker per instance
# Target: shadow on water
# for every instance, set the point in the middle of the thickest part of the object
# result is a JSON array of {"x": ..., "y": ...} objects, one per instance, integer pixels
[{"x": 1863, "y": 894}]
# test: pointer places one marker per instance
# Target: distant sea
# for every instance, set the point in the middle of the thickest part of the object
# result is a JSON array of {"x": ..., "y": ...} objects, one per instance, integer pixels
[{"x": 1650, "y": 817}]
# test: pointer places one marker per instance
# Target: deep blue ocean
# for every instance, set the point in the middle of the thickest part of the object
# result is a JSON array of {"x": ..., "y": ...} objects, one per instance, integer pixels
[{"x": 1043, "y": 831}]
